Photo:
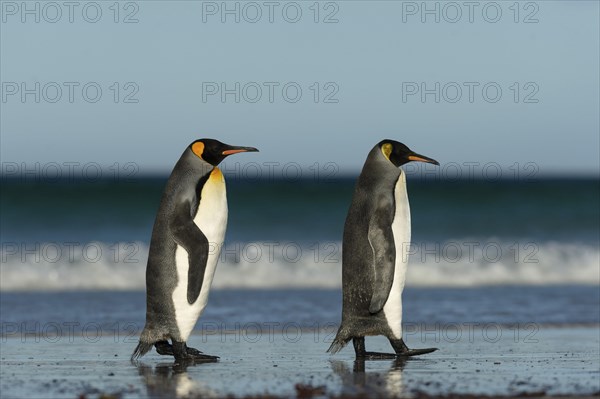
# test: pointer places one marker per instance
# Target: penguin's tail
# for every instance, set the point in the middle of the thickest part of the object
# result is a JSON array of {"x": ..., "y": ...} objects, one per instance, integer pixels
[
  {"x": 140, "y": 350},
  {"x": 341, "y": 340},
  {"x": 146, "y": 343}
]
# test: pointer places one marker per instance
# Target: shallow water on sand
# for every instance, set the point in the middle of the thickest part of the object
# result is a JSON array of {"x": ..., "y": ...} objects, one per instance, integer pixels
[
  {"x": 495, "y": 341},
  {"x": 554, "y": 361}
]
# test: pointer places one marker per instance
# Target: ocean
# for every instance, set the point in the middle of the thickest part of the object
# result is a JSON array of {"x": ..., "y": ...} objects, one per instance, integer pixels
[{"x": 502, "y": 251}]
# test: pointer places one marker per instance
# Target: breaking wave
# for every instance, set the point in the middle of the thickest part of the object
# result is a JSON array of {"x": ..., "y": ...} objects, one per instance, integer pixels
[{"x": 266, "y": 265}]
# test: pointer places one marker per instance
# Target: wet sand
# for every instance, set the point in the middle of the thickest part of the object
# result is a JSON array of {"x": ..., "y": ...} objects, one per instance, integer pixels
[{"x": 472, "y": 361}]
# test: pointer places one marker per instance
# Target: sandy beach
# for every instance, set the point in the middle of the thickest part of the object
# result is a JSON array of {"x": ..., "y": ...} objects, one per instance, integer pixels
[{"x": 561, "y": 361}]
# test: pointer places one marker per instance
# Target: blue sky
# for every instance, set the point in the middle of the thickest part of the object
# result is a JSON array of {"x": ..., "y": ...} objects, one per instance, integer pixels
[{"x": 361, "y": 80}]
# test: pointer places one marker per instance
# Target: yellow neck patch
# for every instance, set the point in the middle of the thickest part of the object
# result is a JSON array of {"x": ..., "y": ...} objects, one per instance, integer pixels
[
  {"x": 198, "y": 148},
  {"x": 217, "y": 175},
  {"x": 216, "y": 172},
  {"x": 386, "y": 149}
]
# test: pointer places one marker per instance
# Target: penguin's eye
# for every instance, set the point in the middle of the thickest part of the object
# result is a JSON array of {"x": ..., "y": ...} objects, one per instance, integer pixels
[
  {"x": 386, "y": 149},
  {"x": 198, "y": 148}
]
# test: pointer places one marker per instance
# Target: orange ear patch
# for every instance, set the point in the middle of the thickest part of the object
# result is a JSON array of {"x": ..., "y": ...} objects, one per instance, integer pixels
[
  {"x": 198, "y": 148},
  {"x": 387, "y": 150}
]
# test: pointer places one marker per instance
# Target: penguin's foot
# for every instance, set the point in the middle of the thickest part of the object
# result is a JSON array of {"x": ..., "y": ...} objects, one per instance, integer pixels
[
  {"x": 164, "y": 348},
  {"x": 187, "y": 358},
  {"x": 362, "y": 354},
  {"x": 198, "y": 355},
  {"x": 416, "y": 352},
  {"x": 184, "y": 354},
  {"x": 205, "y": 358},
  {"x": 403, "y": 351},
  {"x": 192, "y": 351}
]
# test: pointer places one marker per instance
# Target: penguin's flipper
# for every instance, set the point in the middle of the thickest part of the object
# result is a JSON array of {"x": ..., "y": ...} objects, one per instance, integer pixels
[
  {"x": 191, "y": 238},
  {"x": 381, "y": 239}
]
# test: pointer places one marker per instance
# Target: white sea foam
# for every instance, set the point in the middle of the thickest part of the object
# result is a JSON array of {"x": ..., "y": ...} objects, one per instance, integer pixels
[{"x": 458, "y": 263}]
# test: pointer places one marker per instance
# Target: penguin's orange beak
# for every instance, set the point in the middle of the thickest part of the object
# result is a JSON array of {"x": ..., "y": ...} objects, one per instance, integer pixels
[
  {"x": 422, "y": 158},
  {"x": 235, "y": 150}
]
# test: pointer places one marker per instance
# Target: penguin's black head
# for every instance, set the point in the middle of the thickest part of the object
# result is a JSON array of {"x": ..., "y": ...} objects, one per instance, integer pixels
[
  {"x": 213, "y": 151},
  {"x": 399, "y": 154}
]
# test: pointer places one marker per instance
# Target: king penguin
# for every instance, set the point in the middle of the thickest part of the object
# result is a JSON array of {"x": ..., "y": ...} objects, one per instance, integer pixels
[
  {"x": 184, "y": 249},
  {"x": 375, "y": 253}
]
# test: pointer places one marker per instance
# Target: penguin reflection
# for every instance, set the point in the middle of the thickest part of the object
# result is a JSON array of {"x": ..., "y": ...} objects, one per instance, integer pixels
[
  {"x": 171, "y": 380},
  {"x": 375, "y": 383}
]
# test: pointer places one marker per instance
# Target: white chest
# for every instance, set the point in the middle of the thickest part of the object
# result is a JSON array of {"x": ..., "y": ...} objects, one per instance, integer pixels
[
  {"x": 401, "y": 231},
  {"x": 211, "y": 219}
]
